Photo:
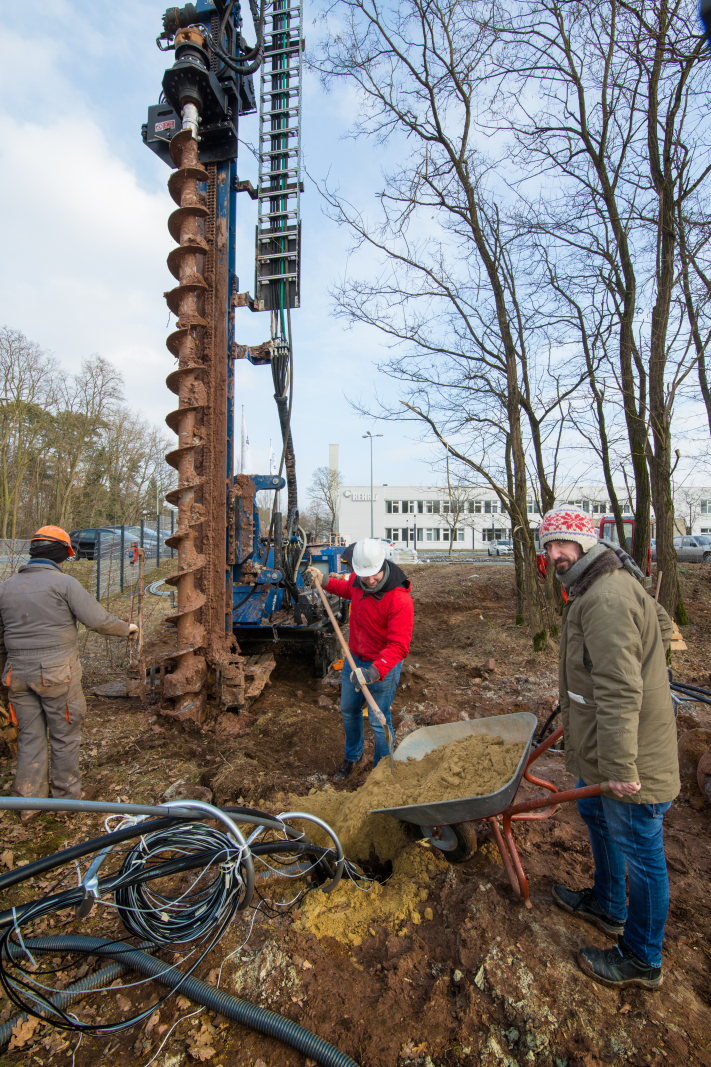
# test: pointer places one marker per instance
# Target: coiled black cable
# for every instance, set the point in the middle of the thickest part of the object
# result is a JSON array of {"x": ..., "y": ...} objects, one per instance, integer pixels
[{"x": 151, "y": 914}]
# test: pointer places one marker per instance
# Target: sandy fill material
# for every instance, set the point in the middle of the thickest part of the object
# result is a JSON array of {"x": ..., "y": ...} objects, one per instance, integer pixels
[{"x": 473, "y": 766}]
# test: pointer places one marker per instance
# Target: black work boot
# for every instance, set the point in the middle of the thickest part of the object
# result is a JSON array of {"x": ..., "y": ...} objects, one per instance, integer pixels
[
  {"x": 618, "y": 967},
  {"x": 344, "y": 771},
  {"x": 584, "y": 903}
]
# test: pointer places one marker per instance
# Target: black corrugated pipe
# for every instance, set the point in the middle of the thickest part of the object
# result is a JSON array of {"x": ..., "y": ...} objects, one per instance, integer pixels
[
  {"x": 260, "y": 1019},
  {"x": 67, "y": 996}
]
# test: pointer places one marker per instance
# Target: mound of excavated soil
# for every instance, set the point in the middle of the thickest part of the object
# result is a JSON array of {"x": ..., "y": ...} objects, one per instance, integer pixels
[{"x": 473, "y": 766}]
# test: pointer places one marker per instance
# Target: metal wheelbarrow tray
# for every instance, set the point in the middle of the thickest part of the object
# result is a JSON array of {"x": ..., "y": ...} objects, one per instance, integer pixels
[{"x": 437, "y": 819}]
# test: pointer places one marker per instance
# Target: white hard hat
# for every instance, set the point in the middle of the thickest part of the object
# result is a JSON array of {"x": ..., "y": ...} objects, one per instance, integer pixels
[{"x": 368, "y": 557}]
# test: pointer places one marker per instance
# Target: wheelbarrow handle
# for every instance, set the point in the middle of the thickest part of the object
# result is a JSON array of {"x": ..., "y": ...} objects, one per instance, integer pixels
[{"x": 554, "y": 799}]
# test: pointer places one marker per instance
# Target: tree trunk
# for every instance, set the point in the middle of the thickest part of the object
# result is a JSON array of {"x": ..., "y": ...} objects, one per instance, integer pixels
[
  {"x": 660, "y": 457},
  {"x": 517, "y": 548}
]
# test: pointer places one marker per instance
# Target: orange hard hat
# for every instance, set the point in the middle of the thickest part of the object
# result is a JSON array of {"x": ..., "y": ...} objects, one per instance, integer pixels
[{"x": 53, "y": 533}]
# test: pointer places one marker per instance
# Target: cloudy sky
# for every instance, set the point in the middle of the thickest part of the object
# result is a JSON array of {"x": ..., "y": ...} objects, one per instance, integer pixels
[{"x": 85, "y": 237}]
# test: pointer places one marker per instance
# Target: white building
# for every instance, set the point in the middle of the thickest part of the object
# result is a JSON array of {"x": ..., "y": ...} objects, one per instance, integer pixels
[{"x": 428, "y": 517}]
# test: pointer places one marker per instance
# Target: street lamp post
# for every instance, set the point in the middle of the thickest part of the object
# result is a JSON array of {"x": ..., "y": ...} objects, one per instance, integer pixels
[{"x": 371, "y": 436}]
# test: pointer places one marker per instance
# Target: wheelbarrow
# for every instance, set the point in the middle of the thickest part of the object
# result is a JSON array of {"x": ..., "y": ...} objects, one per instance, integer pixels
[{"x": 450, "y": 825}]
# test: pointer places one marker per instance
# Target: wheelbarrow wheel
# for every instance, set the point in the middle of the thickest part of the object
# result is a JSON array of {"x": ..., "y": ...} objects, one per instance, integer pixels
[{"x": 466, "y": 842}]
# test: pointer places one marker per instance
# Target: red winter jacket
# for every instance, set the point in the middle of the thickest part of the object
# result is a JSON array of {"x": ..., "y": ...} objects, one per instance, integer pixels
[{"x": 380, "y": 623}]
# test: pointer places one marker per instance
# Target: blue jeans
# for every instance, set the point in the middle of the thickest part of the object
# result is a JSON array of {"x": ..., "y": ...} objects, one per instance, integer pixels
[
  {"x": 352, "y": 710},
  {"x": 633, "y": 834}
]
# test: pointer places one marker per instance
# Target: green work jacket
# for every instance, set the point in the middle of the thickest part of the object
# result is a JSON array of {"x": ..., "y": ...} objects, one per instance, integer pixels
[{"x": 614, "y": 690}]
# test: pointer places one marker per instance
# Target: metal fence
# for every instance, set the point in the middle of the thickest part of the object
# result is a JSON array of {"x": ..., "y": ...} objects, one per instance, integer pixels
[
  {"x": 107, "y": 568},
  {"x": 114, "y": 571}
]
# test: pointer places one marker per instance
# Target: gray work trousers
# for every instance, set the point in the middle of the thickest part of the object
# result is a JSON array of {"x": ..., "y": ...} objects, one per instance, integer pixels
[{"x": 46, "y": 697}]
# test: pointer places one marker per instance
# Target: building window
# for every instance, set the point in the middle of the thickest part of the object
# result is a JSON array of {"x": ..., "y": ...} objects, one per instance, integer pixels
[
  {"x": 493, "y": 533},
  {"x": 408, "y": 507},
  {"x": 405, "y": 534},
  {"x": 420, "y": 508},
  {"x": 432, "y": 507},
  {"x": 626, "y": 509},
  {"x": 388, "y": 533},
  {"x": 477, "y": 507},
  {"x": 600, "y": 509},
  {"x": 457, "y": 535},
  {"x": 420, "y": 534},
  {"x": 491, "y": 507},
  {"x": 432, "y": 535},
  {"x": 395, "y": 535},
  {"x": 470, "y": 507},
  {"x": 705, "y": 509},
  {"x": 445, "y": 535}
]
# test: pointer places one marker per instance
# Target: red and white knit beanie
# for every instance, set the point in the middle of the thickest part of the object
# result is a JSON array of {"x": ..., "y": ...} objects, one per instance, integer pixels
[{"x": 566, "y": 523}]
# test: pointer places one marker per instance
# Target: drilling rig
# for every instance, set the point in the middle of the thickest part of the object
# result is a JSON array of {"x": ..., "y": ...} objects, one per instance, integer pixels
[{"x": 238, "y": 585}]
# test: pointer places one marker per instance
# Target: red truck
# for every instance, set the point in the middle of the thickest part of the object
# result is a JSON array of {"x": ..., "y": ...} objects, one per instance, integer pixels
[{"x": 608, "y": 532}]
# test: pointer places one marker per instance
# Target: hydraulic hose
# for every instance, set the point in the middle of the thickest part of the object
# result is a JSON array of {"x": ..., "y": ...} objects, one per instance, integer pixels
[{"x": 240, "y": 1011}]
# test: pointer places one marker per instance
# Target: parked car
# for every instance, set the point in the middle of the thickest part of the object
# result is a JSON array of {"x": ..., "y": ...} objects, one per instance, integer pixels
[
  {"x": 692, "y": 550},
  {"x": 500, "y": 548},
  {"x": 84, "y": 541}
]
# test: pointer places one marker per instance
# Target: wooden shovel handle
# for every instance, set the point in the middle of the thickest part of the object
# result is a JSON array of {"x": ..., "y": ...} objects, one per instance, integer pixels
[{"x": 347, "y": 653}]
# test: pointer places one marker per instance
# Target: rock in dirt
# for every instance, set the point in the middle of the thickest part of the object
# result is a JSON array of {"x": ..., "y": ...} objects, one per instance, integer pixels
[
  {"x": 230, "y": 725},
  {"x": 324, "y": 702},
  {"x": 188, "y": 791},
  {"x": 703, "y": 775},
  {"x": 692, "y": 746}
]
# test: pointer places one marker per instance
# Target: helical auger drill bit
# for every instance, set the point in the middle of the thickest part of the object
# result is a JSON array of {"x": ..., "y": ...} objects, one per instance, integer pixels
[{"x": 186, "y": 686}]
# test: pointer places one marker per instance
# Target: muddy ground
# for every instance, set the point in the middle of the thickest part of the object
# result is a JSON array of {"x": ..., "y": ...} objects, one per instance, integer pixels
[{"x": 440, "y": 965}]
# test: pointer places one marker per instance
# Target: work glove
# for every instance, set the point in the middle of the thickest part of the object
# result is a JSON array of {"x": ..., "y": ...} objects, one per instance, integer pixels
[
  {"x": 132, "y": 631},
  {"x": 364, "y": 676},
  {"x": 315, "y": 575}
]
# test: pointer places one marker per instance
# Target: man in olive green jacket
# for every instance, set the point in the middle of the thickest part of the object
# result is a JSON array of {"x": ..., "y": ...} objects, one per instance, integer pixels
[{"x": 620, "y": 733}]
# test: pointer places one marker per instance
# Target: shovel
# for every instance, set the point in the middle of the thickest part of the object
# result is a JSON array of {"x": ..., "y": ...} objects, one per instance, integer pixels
[{"x": 366, "y": 692}]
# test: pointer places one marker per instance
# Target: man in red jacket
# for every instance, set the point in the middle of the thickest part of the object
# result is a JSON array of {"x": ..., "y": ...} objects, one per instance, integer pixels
[{"x": 381, "y": 620}]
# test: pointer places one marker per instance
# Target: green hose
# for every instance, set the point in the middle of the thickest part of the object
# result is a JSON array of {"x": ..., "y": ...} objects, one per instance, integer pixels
[{"x": 249, "y": 1015}]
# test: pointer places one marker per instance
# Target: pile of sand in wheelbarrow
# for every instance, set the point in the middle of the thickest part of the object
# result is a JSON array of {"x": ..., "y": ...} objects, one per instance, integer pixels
[{"x": 473, "y": 766}]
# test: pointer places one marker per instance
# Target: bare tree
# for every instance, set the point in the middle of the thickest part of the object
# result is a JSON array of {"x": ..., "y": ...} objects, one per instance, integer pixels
[
  {"x": 86, "y": 403},
  {"x": 606, "y": 102},
  {"x": 324, "y": 493},
  {"x": 316, "y": 520},
  {"x": 454, "y": 291},
  {"x": 28, "y": 379},
  {"x": 70, "y": 452}
]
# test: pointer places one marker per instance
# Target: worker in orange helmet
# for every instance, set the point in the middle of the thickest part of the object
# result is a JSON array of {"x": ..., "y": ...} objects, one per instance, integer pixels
[{"x": 39, "y": 659}]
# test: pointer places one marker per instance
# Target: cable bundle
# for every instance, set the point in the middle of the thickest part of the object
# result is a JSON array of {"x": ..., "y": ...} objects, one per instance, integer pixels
[
  {"x": 209, "y": 901},
  {"x": 180, "y": 883}
]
